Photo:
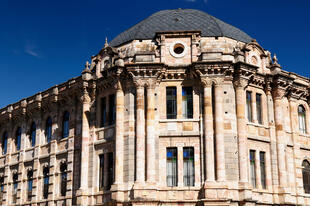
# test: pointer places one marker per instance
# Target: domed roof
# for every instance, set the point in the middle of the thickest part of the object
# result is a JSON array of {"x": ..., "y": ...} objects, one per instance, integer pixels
[{"x": 180, "y": 20}]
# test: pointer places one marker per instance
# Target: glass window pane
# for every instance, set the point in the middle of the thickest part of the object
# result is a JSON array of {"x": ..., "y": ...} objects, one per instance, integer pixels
[
  {"x": 110, "y": 170},
  {"x": 101, "y": 171},
  {"x": 188, "y": 166},
  {"x": 18, "y": 138},
  {"x": 187, "y": 102},
  {"x": 112, "y": 109},
  {"x": 306, "y": 176},
  {"x": 4, "y": 142},
  {"x": 103, "y": 112},
  {"x": 302, "y": 119},
  {"x": 249, "y": 106},
  {"x": 33, "y": 134},
  {"x": 259, "y": 108},
  {"x": 172, "y": 175},
  {"x": 262, "y": 169},
  {"x": 252, "y": 168},
  {"x": 48, "y": 129},
  {"x": 171, "y": 102},
  {"x": 65, "y": 125}
]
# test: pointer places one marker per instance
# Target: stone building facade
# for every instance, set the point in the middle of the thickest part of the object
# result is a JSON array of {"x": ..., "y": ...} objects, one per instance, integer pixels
[{"x": 180, "y": 109}]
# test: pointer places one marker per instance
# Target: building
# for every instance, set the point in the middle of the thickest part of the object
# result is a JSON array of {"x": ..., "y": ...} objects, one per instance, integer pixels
[{"x": 180, "y": 109}]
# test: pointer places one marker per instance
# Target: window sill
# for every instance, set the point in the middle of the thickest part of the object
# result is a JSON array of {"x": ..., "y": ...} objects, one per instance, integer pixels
[
  {"x": 257, "y": 125},
  {"x": 178, "y": 120},
  {"x": 105, "y": 128}
]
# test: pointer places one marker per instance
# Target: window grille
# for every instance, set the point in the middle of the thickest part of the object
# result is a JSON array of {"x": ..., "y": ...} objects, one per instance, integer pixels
[
  {"x": 252, "y": 168},
  {"x": 48, "y": 129},
  {"x": 172, "y": 174},
  {"x": 171, "y": 102},
  {"x": 262, "y": 169},
  {"x": 302, "y": 119},
  {"x": 65, "y": 125},
  {"x": 188, "y": 166},
  {"x": 249, "y": 106},
  {"x": 187, "y": 102},
  {"x": 259, "y": 108},
  {"x": 306, "y": 176}
]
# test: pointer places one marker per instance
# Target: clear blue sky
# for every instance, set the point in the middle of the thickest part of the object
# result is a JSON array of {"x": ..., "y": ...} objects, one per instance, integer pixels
[{"x": 46, "y": 42}]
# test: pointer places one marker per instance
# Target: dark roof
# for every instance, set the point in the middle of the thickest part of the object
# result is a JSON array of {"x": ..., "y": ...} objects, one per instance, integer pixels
[{"x": 180, "y": 20}]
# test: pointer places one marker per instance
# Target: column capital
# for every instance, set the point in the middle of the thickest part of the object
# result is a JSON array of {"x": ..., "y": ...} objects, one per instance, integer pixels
[
  {"x": 85, "y": 98},
  {"x": 278, "y": 93},
  {"x": 206, "y": 82},
  {"x": 150, "y": 83},
  {"x": 139, "y": 83},
  {"x": 241, "y": 82}
]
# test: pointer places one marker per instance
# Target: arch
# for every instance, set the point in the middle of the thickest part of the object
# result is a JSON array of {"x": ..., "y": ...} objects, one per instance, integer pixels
[
  {"x": 33, "y": 129},
  {"x": 48, "y": 129},
  {"x": 306, "y": 176},
  {"x": 65, "y": 124},
  {"x": 302, "y": 119}
]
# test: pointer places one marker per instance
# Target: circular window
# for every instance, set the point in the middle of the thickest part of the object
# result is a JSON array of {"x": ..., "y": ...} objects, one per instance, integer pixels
[{"x": 178, "y": 49}]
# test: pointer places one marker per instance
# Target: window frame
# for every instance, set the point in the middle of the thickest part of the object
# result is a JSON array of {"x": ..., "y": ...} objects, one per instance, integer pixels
[
  {"x": 249, "y": 113},
  {"x": 262, "y": 163},
  {"x": 48, "y": 129},
  {"x": 63, "y": 179},
  {"x": 18, "y": 138},
  {"x": 29, "y": 185},
  {"x": 65, "y": 125},
  {"x": 302, "y": 121},
  {"x": 171, "y": 102},
  {"x": 173, "y": 160},
  {"x": 189, "y": 164},
  {"x": 187, "y": 102},
  {"x": 4, "y": 143},
  {"x": 33, "y": 135},
  {"x": 252, "y": 159},
  {"x": 306, "y": 176},
  {"x": 259, "y": 108},
  {"x": 45, "y": 182}
]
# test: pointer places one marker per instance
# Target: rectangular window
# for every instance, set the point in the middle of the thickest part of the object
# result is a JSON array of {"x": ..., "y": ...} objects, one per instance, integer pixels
[
  {"x": 171, "y": 102},
  {"x": 262, "y": 169},
  {"x": 252, "y": 168},
  {"x": 15, "y": 187},
  {"x": 63, "y": 185},
  {"x": 172, "y": 169},
  {"x": 188, "y": 166},
  {"x": 103, "y": 112},
  {"x": 187, "y": 102},
  {"x": 112, "y": 109},
  {"x": 2, "y": 188},
  {"x": 101, "y": 172},
  {"x": 45, "y": 182},
  {"x": 110, "y": 170},
  {"x": 249, "y": 106},
  {"x": 30, "y": 184},
  {"x": 259, "y": 108}
]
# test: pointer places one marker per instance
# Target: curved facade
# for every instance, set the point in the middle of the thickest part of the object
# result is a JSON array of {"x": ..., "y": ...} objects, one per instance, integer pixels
[{"x": 179, "y": 118}]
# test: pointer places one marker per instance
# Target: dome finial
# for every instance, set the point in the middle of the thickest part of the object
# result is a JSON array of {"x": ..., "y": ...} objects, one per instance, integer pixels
[
  {"x": 87, "y": 65},
  {"x": 106, "y": 44},
  {"x": 275, "y": 59}
]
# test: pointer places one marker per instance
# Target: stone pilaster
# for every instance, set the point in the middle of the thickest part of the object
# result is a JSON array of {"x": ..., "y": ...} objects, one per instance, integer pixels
[
  {"x": 219, "y": 131},
  {"x": 240, "y": 85},
  {"x": 83, "y": 190},
  {"x": 117, "y": 187},
  {"x": 140, "y": 133},
  {"x": 151, "y": 153},
  {"x": 278, "y": 95},
  {"x": 208, "y": 129}
]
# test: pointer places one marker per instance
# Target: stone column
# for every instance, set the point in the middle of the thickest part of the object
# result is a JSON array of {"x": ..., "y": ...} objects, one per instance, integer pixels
[
  {"x": 119, "y": 135},
  {"x": 240, "y": 85},
  {"x": 219, "y": 132},
  {"x": 85, "y": 141},
  {"x": 208, "y": 129},
  {"x": 278, "y": 94},
  {"x": 140, "y": 133},
  {"x": 150, "y": 131}
]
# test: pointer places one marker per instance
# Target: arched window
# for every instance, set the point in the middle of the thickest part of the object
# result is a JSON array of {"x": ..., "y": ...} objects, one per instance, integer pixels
[
  {"x": 302, "y": 119},
  {"x": 48, "y": 129},
  {"x": 306, "y": 176},
  {"x": 18, "y": 138},
  {"x": 33, "y": 129},
  {"x": 46, "y": 182},
  {"x": 65, "y": 125},
  {"x": 4, "y": 142},
  {"x": 63, "y": 180}
]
